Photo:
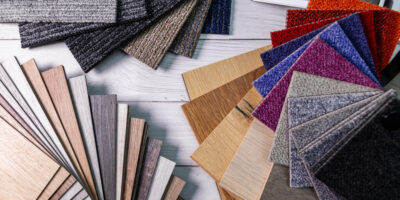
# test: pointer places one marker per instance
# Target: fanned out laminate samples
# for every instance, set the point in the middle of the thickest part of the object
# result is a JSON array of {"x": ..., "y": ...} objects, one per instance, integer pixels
[
  {"x": 122, "y": 140},
  {"x": 80, "y": 98},
  {"x": 249, "y": 169},
  {"x": 64, "y": 187},
  {"x": 174, "y": 188},
  {"x": 218, "y": 149},
  {"x": 134, "y": 159},
  {"x": 205, "y": 79},
  {"x": 56, "y": 182},
  {"x": 153, "y": 149},
  {"x": 104, "y": 112},
  {"x": 31, "y": 169},
  {"x": 57, "y": 86},
  {"x": 161, "y": 178}
]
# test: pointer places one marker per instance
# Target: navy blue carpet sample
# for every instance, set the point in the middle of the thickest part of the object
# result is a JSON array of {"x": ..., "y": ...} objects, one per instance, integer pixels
[
  {"x": 367, "y": 167},
  {"x": 218, "y": 19}
]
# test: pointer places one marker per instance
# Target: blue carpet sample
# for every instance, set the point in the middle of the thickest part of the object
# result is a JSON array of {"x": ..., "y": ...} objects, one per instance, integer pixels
[{"x": 218, "y": 19}]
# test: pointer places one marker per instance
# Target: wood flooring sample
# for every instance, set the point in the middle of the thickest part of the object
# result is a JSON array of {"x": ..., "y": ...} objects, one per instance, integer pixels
[
  {"x": 81, "y": 195},
  {"x": 72, "y": 191},
  {"x": 218, "y": 149},
  {"x": 207, "y": 111},
  {"x": 24, "y": 169},
  {"x": 64, "y": 188},
  {"x": 249, "y": 169},
  {"x": 174, "y": 188},
  {"x": 205, "y": 79},
  {"x": 122, "y": 140},
  {"x": 57, "y": 86},
  {"x": 153, "y": 149},
  {"x": 104, "y": 112},
  {"x": 161, "y": 178},
  {"x": 136, "y": 148},
  {"x": 80, "y": 98},
  {"x": 59, "y": 178}
]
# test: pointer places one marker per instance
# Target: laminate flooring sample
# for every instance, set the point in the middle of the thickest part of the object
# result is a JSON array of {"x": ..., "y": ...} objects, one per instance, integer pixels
[
  {"x": 218, "y": 149},
  {"x": 104, "y": 112},
  {"x": 134, "y": 156},
  {"x": 161, "y": 178},
  {"x": 72, "y": 191},
  {"x": 58, "y": 179},
  {"x": 205, "y": 79},
  {"x": 80, "y": 98},
  {"x": 81, "y": 195},
  {"x": 122, "y": 140},
  {"x": 57, "y": 86},
  {"x": 64, "y": 187},
  {"x": 31, "y": 169},
  {"x": 174, "y": 188},
  {"x": 153, "y": 149},
  {"x": 249, "y": 169}
]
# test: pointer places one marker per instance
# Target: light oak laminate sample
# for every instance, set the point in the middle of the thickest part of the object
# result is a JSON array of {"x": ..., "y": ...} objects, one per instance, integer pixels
[
  {"x": 122, "y": 140},
  {"x": 161, "y": 178},
  {"x": 174, "y": 188},
  {"x": 80, "y": 98},
  {"x": 57, "y": 86},
  {"x": 104, "y": 112},
  {"x": 63, "y": 188},
  {"x": 24, "y": 169},
  {"x": 59, "y": 178}
]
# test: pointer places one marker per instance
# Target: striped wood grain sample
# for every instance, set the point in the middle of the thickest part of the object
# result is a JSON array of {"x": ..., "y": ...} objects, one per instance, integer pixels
[
  {"x": 153, "y": 149},
  {"x": 207, "y": 111},
  {"x": 57, "y": 86},
  {"x": 72, "y": 191},
  {"x": 249, "y": 169},
  {"x": 104, "y": 112},
  {"x": 136, "y": 147},
  {"x": 218, "y": 149},
  {"x": 174, "y": 188},
  {"x": 24, "y": 169},
  {"x": 161, "y": 178},
  {"x": 63, "y": 188},
  {"x": 205, "y": 79},
  {"x": 122, "y": 140},
  {"x": 35, "y": 79},
  {"x": 59, "y": 178},
  {"x": 81, "y": 195},
  {"x": 80, "y": 97}
]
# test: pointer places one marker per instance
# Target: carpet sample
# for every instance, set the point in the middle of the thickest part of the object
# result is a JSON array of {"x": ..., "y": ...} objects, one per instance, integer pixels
[
  {"x": 318, "y": 59},
  {"x": 186, "y": 41},
  {"x": 218, "y": 18},
  {"x": 303, "y": 84},
  {"x": 371, "y": 154},
  {"x": 58, "y": 11},
  {"x": 151, "y": 45}
]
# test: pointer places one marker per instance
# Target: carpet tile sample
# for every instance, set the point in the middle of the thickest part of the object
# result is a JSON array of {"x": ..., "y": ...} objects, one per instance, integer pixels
[
  {"x": 186, "y": 41},
  {"x": 218, "y": 18},
  {"x": 58, "y": 11},
  {"x": 148, "y": 47},
  {"x": 303, "y": 84}
]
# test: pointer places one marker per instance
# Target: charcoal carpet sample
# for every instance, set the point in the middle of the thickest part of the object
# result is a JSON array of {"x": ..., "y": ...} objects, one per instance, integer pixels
[
  {"x": 186, "y": 41},
  {"x": 151, "y": 45},
  {"x": 303, "y": 84},
  {"x": 58, "y": 11},
  {"x": 218, "y": 19}
]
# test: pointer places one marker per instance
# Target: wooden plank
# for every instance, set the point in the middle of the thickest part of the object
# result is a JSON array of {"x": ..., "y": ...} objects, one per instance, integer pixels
[
  {"x": 35, "y": 79},
  {"x": 134, "y": 156},
  {"x": 81, "y": 102},
  {"x": 249, "y": 169},
  {"x": 161, "y": 178},
  {"x": 218, "y": 149},
  {"x": 153, "y": 149},
  {"x": 24, "y": 169},
  {"x": 174, "y": 188},
  {"x": 81, "y": 195},
  {"x": 72, "y": 191},
  {"x": 205, "y": 79},
  {"x": 207, "y": 111},
  {"x": 104, "y": 112},
  {"x": 59, "y": 178},
  {"x": 57, "y": 86},
  {"x": 63, "y": 188},
  {"x": 122, "y": 140}
]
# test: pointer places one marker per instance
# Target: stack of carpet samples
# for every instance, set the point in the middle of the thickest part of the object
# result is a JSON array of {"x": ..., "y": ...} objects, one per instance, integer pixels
[
  {"x": 144, "y": 29},
  {"x": 307, "y": 118},
  {"x": 58, "y": 142}
]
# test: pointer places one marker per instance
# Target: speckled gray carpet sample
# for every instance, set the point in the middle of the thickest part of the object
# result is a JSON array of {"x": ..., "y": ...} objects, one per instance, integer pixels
[
  {"x": 304, "y": 109},
  {"x": 58, "y": 11}
]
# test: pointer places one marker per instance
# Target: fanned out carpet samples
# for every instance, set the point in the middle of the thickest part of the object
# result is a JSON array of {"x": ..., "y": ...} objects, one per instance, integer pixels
[
  {"x": 97, "y": 151},
  {"x": 173, "y": 25},
  {"x": 324, "y": 129}
]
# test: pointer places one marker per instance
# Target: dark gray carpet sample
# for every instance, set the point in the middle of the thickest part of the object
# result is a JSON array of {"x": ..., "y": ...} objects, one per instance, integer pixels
[{"x": 129, "y": 10}]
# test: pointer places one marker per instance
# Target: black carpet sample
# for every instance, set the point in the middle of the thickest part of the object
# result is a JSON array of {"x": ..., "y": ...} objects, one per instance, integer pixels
[
  {"x": 366, "y": 167},
  {"x": 218, "y": 19}
]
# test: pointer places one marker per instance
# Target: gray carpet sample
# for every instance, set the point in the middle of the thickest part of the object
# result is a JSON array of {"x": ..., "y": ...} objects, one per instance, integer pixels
[
  {"x": 58, "y": 11},
  {"x": 186, "y": 41}
]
